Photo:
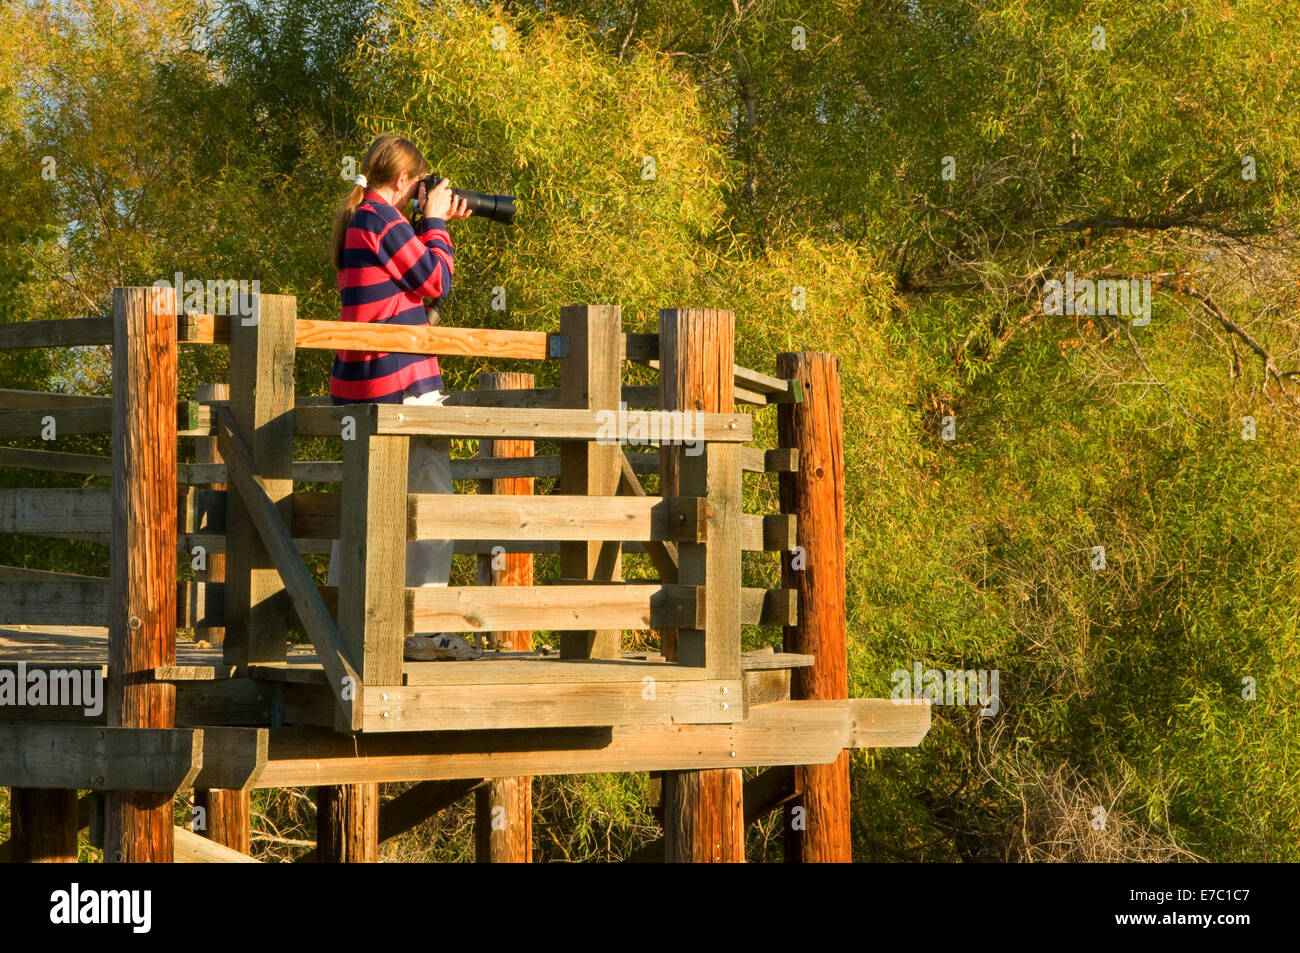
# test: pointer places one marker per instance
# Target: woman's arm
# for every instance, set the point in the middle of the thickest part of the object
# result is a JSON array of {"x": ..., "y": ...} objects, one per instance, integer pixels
[{"x": 421, "y": 264}]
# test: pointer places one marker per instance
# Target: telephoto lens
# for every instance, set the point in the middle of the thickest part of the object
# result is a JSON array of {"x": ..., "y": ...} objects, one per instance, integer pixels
[{"x": 498, "y": 208}]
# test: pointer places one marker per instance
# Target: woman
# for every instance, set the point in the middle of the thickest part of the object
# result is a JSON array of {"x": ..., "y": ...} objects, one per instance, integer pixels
[{"x": 386, "y": 268}]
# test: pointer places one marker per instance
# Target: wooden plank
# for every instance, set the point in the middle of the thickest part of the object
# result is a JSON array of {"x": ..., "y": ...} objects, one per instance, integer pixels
[
  {"x": 758, "y": 381},
  {"x": 88, "y": 757},
  {"x": 192, "y": 848},
  {"x": 815, "y": 496},
  {"x": 63, "y": 602},
  {"x": 416, "y": 805},
  {"x": 142, "y": 566},
  {"x": 397, "y": 339},
  {"x": 55, "y": 461},
  {"x": 15, "y": 424},
  {"x": 45, "y": 511},
  {"x": 543, "y": 670},
  {"x": 640, "y": 348},
  {"x": 261, "y": 412},
  {"x": 530, "y": 396},
  {"x": 555, "y": 518},
  {"x": 473, "y": 707},
  {"x": 766, "y": 685},
  {"x": 772, "y": 532},
  {"x": 555, "y": 608},
  {"x": 62, "y": 332},
  {"x": 11, "y": 399},
  {"x": 372, "y": 608},
  {"x": 298, "y": 580},
  {"x": 513, "y": 423},
  {"x": 233, "y": 758},
  {"x": 783, "y": 733}
]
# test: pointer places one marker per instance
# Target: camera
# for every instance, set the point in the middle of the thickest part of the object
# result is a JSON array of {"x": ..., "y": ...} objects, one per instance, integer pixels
[{"x": 498, "y": 208}]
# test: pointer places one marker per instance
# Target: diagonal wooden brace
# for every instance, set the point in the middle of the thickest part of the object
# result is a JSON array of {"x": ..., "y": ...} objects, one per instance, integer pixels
[{"x": 344, "y": 680}]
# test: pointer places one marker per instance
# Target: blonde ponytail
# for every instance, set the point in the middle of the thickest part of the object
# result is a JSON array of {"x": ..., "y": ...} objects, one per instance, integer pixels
[{"x": 388, "y": 157}]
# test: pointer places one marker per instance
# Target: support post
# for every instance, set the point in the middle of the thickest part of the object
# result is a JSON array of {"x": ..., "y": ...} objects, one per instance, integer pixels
[
  {"x": 226, "y": 814},
  {"x": 43, "y": 825},
  {"x": 817, "y": 825},
  {"x": 257, "y": 606},
  {"x": 503, "y": 807},
  {"x": 590, "y": 379},
  {"x": 225, "y": 817},
  {"x": 347, "y": 824},
  {"x": 704, "y": 810},
  {"x": 142, "y": 560}
]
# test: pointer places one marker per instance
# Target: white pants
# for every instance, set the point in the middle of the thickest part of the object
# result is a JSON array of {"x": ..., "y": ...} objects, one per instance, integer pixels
[{"x": 428, "y": 470}]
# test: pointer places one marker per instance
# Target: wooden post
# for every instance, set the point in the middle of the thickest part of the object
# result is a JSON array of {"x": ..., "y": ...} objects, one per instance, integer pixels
[
  {"x": 590, "y": 379},
  {"x": 503, "y": 822},
  {"x": 226, "y": 817},
  {"x": 205, "y": 451},
  {"x": 43, "y": 825},
  {"x": 257, "y": 606},
  {"x": 226, "y": 814},
  {"x": 817, "y": 825},
  {"x": 347, "y": 824},
  {"x": 142, "y": 561},
  {"x": 704, "y": 818},
  {"x": 503, "y": 807}
]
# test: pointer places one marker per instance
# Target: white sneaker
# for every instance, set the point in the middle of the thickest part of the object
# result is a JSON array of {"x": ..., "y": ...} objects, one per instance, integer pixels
[{"x": 442, "y": 647}]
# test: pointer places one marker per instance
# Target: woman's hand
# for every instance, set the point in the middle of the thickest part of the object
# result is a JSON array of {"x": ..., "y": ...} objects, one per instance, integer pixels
[{"x": 443, "y": 203}]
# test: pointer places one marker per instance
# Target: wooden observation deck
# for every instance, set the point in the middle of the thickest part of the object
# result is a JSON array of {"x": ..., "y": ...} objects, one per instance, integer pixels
[{"x": 347, "y": 711}]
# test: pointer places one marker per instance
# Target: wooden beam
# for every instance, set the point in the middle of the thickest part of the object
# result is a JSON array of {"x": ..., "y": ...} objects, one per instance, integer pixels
[
  {"x": 394, "y": 338},
  {"x": 772, "y": 532},
  {"x": 62, "y": 332},
  {"x": 776, "y": 734},
  {"x": 192, "y": 848},
  {"x": 815, "y": 495},
  {"x": 16, "y": 424},
  {"x": 559, "y": 704},
  {"x": 142, "y": 565},
  {"x": 42, "y": 512},
  {"x": 261, "y": 412},
  {"x": 57, "y": 601},
  {"x": 556, "y": 518},
  {"x": 98, "y": 758},
  {"x": 562, "y": 608},
  {"x": 514, "y": 423},
  {"x": 344, "y": 679},
  {"x": 57, "y": 462}
]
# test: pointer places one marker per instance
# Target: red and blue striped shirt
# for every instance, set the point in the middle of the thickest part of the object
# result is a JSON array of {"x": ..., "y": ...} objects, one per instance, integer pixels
[{"x": 389, "y": 268}]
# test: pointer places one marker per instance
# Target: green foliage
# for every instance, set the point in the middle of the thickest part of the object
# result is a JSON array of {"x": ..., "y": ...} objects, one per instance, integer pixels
[{"x": 778, "y": 169}]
